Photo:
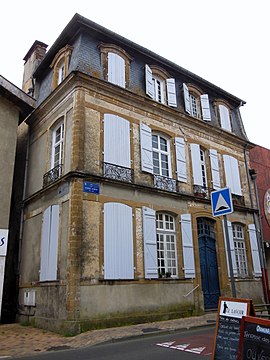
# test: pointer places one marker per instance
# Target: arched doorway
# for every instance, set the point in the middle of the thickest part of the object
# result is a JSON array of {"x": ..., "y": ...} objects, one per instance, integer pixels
[{"x": 208, "y": 262}]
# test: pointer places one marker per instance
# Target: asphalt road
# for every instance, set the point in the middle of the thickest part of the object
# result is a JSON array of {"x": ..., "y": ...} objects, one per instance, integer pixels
[{"x": 187, "y": 345}]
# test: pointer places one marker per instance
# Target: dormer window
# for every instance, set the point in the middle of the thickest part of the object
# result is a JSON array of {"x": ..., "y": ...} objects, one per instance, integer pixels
[
  {"x": 225, "y": 117},
  {"x": 60, "y": 65},
  {"x": 196, "y": 103},
  {"x": 116, "y": 64},
  {"x": 160, "y": 86}
]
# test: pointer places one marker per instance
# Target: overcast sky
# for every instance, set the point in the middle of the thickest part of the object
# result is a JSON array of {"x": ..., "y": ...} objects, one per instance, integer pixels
[{"x": 225, "y": 42}]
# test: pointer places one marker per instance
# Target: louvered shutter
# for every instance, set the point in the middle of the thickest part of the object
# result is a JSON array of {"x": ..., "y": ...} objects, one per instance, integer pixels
[
  {"x": 171, "y": 92},
  {"x": 181, "y": 165},
  {"x": 232, "y": 174},
  {"x": 53, "y": 244},
  {"x": 116, "y": 69},
  {"x": 231, "y": 248},
  {"x": 206, "y": 113},
  {"x": 150, "y": 243},
  {"x": 146, "y": 148},
  {"x": 187, "y": 244},
  {"x": 116, "y": 140},
  {"x": 149, "y": 83},
  {"x": 186, "y": 99},
  {"x": 45, "y": 239},
  {"x": 118, "y": 242},
  {"x": 225, "y": 118},
  {"x": 49, "y": 244},
  {"x": 257, "y": 270},
  {"x": 196, "y": 164},
  {"x": 215, "y": 169}
]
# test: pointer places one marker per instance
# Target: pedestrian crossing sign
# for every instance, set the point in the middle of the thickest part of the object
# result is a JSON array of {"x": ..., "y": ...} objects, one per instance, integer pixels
[{"x": 221, "y": 202}]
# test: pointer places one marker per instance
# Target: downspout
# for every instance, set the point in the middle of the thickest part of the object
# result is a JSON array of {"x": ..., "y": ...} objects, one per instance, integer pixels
[{"x": 257, "y": 219}]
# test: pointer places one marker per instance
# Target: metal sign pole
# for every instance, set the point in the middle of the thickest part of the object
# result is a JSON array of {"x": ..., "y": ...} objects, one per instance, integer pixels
[{"x": 229, "y": 256}]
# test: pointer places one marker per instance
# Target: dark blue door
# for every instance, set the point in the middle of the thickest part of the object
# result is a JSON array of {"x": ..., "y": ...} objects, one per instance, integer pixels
[{"x": 208, "y": 263}]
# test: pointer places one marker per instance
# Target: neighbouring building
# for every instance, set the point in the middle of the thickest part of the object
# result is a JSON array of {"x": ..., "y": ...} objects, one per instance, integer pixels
[
  {"x": 260, "y": 163},
  {"x": 124, "y": 150},
  {"x": 15, "y": 105}
]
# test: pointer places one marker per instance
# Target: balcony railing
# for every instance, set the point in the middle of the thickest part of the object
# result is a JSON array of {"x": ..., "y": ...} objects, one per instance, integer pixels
[
  {"x": 117, "y": 172},
  {"x": 52, "y": 175},
  {"x": 201, "y": 191},
  {"x": 238, "y": 200},
  {"x": 164, "y": 183}
]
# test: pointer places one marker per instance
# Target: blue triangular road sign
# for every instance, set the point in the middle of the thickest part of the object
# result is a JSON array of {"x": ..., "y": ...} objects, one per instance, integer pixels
[{"x": 221, "y": 202}]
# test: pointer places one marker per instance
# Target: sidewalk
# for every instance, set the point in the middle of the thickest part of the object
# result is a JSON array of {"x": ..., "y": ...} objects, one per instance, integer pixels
[{"x": 17, "y": 340}]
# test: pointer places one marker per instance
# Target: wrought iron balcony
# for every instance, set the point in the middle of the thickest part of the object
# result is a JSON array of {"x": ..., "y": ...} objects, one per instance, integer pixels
[
  {"x": 201, "y": 191},
  {"x": 52, "y": 175},
  {"x": 238, "y": 200},
  {"x": 117, "y": 172},
  {"x": 164, "y": 183}
]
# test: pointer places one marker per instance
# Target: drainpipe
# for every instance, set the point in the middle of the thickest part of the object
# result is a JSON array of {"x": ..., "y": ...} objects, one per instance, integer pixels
[{"x": 251, "y": 174}]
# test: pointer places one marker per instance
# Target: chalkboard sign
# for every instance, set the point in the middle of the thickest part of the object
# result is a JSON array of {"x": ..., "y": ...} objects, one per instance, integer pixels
[
  {"x": 254, "y": 339},
  {"x": 230, "y": 313}
]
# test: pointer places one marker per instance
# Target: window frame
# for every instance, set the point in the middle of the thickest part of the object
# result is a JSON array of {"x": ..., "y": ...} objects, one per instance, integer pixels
[
  {"x": 60, "y": 65},
  {"x": 161, "y": 153},
  {"x": 168, "y": 237},
  {"x": 240, "y": 249},
  {"x": 105, "y": 49},
  {"x": 61, "y": 143}
]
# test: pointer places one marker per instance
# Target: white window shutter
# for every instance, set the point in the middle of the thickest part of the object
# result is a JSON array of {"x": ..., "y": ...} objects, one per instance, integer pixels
[
  {"x": 232, "y": 174},
  {"x": 257, "y": 270},
  {"x": 215, "y": 169},
  {"x": 171, "y": 92},
  {"x": 49, "y": 244},
  {"x": 196, "y": 164},
  {"x": 149, "y": 83},
  {"x": 225, "y": 118},
  {"x": 45, "y": 239},
  {"x": 231, "y": 248},
  {"x": 146, "y": 148},
  {"x": 116, "y": 69},
  {"x": 206, "y": 113},
  {"x": 53, "y": 244},
  {"x": 118, "y": 242},
  {"x": 181, "y": 165},
  {"x": 150, "y": 243},
  {"x": 187, "y": 244},
  {"x": 116, "y": 140},
  {"x": 186, "y": 99}
]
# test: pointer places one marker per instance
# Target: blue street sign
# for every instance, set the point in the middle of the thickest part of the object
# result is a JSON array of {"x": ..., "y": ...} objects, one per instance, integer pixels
[
  {"x": 90, "y": 187},
  {"x": 221, "y": 202}
]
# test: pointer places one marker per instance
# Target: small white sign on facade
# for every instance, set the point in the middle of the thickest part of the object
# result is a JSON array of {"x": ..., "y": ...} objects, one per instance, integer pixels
[{"x": 3, "y": 242}]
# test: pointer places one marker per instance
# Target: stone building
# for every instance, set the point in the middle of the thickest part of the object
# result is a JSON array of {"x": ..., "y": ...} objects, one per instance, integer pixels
[
  {"x": 124, "y": 150},
  {"x": 260, "y": 170},
  {"x": 15, "y": 105}
]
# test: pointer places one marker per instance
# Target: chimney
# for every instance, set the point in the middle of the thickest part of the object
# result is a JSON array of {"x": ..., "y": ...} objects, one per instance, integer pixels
[{"x": 31, "y": 61}]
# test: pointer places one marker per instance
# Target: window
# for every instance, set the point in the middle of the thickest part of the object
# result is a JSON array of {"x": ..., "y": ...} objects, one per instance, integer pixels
[
  {"x": 240, "y": 249},
  {"x": 224, "y": 117},
  {"x": 166, "y": 245},
  {"x": 118, "y": 242},
  {"x": 49, "y": 244},
  {"x": 159, "y": 85},
  {"x": 199, "y": 168},
  {"x": 161, "y": 156},
  {"x": 232, "y": 174},
  {"x": 60, "y": 65},
  {"x": 196, "y": 103},
  {"x": 57, "y": 145},
  {"x": 117, "y": 160},
  {"x": 116, "y": 64}
]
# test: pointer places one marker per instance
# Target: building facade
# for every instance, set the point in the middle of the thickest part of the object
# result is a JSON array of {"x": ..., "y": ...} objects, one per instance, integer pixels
[
  {"x": 125, "y": 148},
  {"x": 15, "y": 105},
  {"x": 260, "y": 163}
]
